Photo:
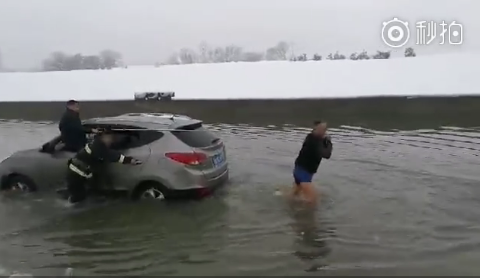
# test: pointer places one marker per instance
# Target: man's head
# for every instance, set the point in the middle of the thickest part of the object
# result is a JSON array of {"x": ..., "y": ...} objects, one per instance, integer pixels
[
  {"x": 320, "y": 128},
  {"x": 73, "y": 105}
]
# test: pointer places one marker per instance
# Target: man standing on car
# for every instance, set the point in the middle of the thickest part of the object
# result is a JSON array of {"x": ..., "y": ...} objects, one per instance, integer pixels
[
  {"x": 86, "y": 163},
  {"x": 72, "y": 131},
  {"x": 317, "y": 145}
]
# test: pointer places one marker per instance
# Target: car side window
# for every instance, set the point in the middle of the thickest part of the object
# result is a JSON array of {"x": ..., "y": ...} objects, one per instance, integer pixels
[
  {"x": 134, "y": 139},
  {"x": 147, "y": 137},
  {"x": 122, "y": 140}
]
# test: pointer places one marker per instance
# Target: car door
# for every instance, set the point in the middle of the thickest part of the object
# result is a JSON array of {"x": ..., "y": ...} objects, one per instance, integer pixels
[
  {"x": 50, "y": 167},
  {"x": 57, "y": 169},
  {"x": 125, "y": 176}
]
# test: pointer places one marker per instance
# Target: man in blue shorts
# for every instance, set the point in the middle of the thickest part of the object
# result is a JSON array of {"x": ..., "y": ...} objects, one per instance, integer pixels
[{"x": 317, "y": 145}]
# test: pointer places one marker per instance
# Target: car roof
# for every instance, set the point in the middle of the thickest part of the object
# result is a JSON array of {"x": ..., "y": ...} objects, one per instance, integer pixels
[{"x": 145, "y": 120}]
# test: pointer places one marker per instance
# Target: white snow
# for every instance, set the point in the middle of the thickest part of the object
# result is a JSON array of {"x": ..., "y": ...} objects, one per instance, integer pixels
[{"x": 454, "y": 74}]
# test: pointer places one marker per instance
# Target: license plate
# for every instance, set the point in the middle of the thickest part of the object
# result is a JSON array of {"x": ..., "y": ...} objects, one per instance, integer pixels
[{"x": 218, "y": 159}]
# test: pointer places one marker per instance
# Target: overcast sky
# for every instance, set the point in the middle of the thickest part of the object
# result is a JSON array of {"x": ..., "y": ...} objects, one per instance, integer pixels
[{"x": 145, "y": 31}]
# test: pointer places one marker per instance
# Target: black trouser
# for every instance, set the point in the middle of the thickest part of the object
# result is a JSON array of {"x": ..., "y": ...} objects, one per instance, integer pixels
[
  {"x": 76, "y": 187},
  {"x": 73, "y": 148}
]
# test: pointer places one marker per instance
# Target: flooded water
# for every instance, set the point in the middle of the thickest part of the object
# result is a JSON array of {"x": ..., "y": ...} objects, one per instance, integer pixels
[{"x": 392, "y": 203}]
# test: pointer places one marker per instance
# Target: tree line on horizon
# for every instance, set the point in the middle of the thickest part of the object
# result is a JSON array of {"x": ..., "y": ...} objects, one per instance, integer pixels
[
  {"x": 280, "y": 52},
  {"x": 60, "y": 61}
]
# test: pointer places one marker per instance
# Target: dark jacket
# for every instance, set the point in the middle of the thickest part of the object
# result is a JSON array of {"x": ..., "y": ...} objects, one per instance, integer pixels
[
  {"x": 312, "y": 152},
  {"x": 93, "y": 156},
  {"x": 72, "y": 132}
]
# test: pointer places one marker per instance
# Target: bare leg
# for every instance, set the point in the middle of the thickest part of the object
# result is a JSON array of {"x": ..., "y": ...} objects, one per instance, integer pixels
[
  {"x": 309, "y": 192},
  {"x": 296, "y": 190}
]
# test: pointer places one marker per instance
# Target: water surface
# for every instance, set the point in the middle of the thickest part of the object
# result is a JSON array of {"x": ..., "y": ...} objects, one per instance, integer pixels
[{"x": 392, "y": 202}]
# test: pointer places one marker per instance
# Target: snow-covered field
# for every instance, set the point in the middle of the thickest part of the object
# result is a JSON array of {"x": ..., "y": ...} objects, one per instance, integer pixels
[{"x": 457, "y": 74}]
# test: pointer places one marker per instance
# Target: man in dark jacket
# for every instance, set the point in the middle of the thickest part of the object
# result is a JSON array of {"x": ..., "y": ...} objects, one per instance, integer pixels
[
  {"x": 72, "y": 131},
  {"x": 317, "y": 145},
  {"x": 86, "y": 163}
]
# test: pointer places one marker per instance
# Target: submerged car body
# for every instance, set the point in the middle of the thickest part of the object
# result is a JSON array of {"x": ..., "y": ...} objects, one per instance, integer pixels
[{"x": 179, "y": 156}]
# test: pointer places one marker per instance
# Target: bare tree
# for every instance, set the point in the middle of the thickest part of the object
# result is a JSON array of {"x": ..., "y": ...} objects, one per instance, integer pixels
[
  {"x": 75, "y": 62},
  {"x": 302, "y": 58},
  {"x": 219, "y": 55},
  {"x": 187, "y": 56},
  {"x": 59, "y": 61},
  {"x": 363, "y": 56},
  {"x": 111, "y": 59},
  {"x": 92, "y": 62},
  {"x": 317, "y": 57},
  {"x": 382, "y": 55},
  {"x": 56, "y": 62},
  {"x": 271, "y": 54},
  {"x": 282, "y": 50},
  {"x": 233, "y": 53},
  {"x": 409, "y": 52},
  {"x": 204, "y": 53},
  {"x": 278, "y": 52},
  {"x": 338, "y": 56}
]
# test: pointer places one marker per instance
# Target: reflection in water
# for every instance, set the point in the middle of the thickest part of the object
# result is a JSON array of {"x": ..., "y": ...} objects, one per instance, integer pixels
[
  {"x": 311, "y": 234},
  {"x": 163, "y": 234}
]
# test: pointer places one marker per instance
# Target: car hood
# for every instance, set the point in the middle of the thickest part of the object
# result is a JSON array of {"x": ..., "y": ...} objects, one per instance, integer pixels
[{"x": 22, "y": 153}]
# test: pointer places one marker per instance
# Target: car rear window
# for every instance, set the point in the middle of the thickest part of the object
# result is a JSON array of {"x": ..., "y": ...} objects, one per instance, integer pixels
[{"x": 195, "y": 136}]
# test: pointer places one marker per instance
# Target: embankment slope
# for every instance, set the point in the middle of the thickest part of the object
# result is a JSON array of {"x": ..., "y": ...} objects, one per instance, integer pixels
[
  {"x": 431, "y": 75},
  {"x": 266, "y": 92}
]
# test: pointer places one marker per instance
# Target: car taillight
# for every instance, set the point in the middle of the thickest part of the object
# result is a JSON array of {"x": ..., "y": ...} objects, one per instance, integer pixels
[{"x": 187, "y": 158}]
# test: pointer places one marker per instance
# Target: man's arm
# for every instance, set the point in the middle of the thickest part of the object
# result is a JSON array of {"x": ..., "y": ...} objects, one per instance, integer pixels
[
  {"x": 326, "y": 148},
  {"x": 115, "y": 157},
  {"x": 88, "y": 129}
]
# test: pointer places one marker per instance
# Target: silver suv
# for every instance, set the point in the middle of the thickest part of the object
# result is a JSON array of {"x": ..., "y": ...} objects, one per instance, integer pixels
[{"x": 180, "y": 157}]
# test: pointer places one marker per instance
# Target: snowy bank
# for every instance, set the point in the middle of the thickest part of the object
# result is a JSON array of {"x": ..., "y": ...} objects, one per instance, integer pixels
[{"x": 433, "y": 75}]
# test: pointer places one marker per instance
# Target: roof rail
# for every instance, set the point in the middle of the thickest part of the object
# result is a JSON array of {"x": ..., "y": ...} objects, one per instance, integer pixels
[{"x": 159, "y": 115}]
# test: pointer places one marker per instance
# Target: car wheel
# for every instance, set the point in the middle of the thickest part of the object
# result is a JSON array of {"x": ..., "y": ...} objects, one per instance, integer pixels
[
  {"x": 18, "y": 183},
  {"x": 150, "y": 190}
]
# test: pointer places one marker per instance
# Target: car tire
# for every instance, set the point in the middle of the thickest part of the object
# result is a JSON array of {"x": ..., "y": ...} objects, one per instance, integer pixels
[
  {"x": 150, "y": 190},
  {"x": 20, "y": 183}
]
